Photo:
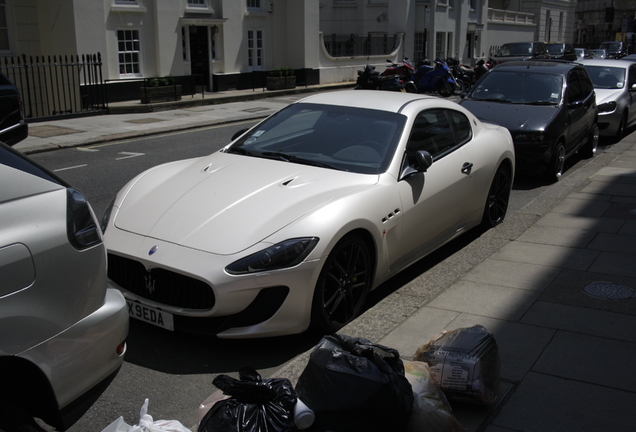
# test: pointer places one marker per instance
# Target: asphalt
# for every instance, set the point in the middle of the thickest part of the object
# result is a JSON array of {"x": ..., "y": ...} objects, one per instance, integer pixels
[{"x": 555, "y": 283}]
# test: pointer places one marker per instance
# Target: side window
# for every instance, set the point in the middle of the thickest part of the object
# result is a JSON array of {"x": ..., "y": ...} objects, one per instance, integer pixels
[
  {"x": 574, "y": 91},
  {"x": 461, "y": 127},
  {"x": 632, "y": 76},
  {"x": 586, "y": 84},
  {"x": 431, "y": 132}
]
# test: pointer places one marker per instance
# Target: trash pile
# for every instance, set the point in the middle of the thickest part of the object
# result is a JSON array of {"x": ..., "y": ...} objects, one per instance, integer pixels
[{"x": 352, "y": 384}]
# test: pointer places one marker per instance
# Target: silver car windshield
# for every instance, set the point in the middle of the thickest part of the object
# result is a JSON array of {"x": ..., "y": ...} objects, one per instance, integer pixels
[
  {"x": 343, "y": 138},
  {"x": 516, "y": 87},
  {"x": 604, "y": 77}
]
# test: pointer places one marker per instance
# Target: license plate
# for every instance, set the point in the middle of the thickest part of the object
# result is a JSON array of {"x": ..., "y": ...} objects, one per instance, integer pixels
[{"x": 150, "y": 315}]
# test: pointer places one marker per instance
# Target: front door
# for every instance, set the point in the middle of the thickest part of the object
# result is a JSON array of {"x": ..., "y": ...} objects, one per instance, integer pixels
[{"x": 199, "y": 56}]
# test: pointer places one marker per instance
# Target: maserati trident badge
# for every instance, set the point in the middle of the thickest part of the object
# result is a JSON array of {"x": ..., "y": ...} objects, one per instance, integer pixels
[{"x": 153, "y": 250}]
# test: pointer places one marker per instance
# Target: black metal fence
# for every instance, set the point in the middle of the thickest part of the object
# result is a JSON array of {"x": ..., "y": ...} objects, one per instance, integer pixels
[
  {"x": 57, "y": 86},
  {"x": 354, "y": 46}
]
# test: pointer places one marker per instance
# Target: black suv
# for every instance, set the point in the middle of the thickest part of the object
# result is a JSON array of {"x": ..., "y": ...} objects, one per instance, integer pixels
[
  {"x": 549, "y": 107},
  {"x": 615, "y": 49},
  {"x": 13, "y": 129},
  {"x": 521, "y": 51},
  {"x": 562, "y": 51}
]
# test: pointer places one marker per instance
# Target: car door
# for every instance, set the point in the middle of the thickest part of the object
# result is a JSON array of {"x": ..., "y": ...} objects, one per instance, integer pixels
[
  {"x": 631, "y": 94},
  {"x": 580, "y": 103},
  {"x": 434, "y": 203}
]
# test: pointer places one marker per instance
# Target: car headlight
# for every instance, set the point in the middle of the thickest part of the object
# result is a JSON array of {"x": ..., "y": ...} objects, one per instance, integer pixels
[
  {"x": 607, "y": 107},
  {"x": 81, "y": 225},
  {"x": 106, "y": 216},
  {"x": 530, "y": 136},
  {"x": 285, "y": 254}
]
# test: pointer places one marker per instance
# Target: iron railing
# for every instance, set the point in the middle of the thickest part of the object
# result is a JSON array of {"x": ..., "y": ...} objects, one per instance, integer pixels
[
  {"x": 355, "y": 46},
  {"x": 52, "y": 87}
]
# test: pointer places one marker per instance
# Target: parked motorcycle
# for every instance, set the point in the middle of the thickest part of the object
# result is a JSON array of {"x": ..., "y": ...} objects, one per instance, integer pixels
[
  {"x": 396, "y": 77},
  {"x": 464, "y": 75},
  {"x": 436, "y": 79}
]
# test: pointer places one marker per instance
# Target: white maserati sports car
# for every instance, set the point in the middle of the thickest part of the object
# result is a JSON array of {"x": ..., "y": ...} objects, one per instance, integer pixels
[{"x": 290, "y": 225}]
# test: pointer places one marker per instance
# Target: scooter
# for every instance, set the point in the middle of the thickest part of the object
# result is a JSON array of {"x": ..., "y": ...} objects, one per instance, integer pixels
[
  {"x": 436, "y": 79},
  {"x": 398, "y": 77}
]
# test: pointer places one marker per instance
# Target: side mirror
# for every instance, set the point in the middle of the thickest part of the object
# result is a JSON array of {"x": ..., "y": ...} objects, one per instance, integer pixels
[
  {"x": 423, "y": 161},
  {"x": 239, "y": 133}
]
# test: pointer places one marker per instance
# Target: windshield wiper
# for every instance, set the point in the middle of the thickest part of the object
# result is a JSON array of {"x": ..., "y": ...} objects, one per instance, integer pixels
[
  {"x": 295, "y": 159},
  {"x": 541, "y": 103},
  {"x": 239, "y": 150}
]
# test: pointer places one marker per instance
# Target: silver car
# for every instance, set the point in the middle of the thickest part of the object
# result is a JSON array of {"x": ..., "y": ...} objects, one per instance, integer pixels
[
  {"x": 615, "y": 87},
  {"x": 63, "y": 332}
]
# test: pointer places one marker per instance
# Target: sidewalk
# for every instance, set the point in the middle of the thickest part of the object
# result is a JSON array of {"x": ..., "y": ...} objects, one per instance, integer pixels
[{"x": 554, "y": 283}]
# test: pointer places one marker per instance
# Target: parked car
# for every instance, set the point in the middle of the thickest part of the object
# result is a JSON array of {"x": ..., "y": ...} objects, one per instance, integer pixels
[
  {"x": 292, "y": 223},
  {"x": 548, "y": 107},
  {"x": 615, "y": 86},
  {"x": 63, "y": 332},
  {"x": 13, "y": 128},
  {"x": 582, "y": 53},
  {"x": 561, "y": 51},
  {"x": 629, "y": 57},
  {"x": 522, "y": 51},
  {"x": 598, "y": 53},
  {"x": 615, "y": 49}
]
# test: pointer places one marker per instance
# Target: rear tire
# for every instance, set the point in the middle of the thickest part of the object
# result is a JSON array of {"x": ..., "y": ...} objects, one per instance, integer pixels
[
  {"x": 557, "y": 164},
  {"x": 342, "y": 286},
  {"x": 445, "y": 89}
]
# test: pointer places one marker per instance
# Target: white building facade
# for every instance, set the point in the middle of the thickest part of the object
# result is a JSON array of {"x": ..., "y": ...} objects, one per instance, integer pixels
[{"x": 232, "y": 44}]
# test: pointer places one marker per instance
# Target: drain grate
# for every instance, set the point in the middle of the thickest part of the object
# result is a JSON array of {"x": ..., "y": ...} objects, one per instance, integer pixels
[{"x": 609, "y": 291}]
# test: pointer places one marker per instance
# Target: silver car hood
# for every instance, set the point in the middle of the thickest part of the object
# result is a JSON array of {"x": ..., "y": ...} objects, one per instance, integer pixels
[
  {"x": 607, "y": 95},
  {"x": 224, "y": 203}
]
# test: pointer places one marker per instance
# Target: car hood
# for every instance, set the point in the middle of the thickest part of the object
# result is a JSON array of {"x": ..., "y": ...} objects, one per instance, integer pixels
[
  {"x": 514, "y": 117},
  {"x": 224, "y": 203},
  {"x": 607, "y": 95}
]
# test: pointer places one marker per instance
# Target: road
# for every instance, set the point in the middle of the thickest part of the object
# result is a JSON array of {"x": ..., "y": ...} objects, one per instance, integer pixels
[{"x": 175, "y": 371}]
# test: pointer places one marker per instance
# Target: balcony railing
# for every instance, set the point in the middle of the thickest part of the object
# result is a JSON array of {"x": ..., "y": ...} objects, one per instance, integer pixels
[{"x": 500, "y": 16}]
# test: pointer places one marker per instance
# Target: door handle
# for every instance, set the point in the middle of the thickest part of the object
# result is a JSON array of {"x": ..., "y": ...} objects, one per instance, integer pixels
[{"x": 467, "y": 168}]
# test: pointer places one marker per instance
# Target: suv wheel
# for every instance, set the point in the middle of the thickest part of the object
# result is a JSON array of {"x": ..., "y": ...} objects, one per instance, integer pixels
[
  {"x": 589, "y": 149},
  {"x": 557, "y": 163}
]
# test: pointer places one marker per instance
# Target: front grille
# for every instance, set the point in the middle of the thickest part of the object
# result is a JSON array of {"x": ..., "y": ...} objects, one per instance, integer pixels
[{"x": 160, "y": 285}]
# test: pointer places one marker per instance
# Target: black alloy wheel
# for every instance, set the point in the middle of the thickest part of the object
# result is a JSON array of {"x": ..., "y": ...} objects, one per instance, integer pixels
[
  {"x": 342, "y": 286},
  {"x": 498, "y": 198}
]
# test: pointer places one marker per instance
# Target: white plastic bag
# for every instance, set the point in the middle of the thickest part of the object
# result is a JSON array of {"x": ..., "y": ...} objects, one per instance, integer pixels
[{"x": 146, "y": 424}]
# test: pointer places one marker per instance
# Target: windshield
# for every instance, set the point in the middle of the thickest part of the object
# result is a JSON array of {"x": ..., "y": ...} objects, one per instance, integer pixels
[
  {"x": 515, "y": 49},
  {"x": 342, "y": 138},
  {"x": 555, "y": 49},
  {"x": 519, "y": 87},
  {"x": 604, "y": 77},
  {"x": 612, "y": 46}
]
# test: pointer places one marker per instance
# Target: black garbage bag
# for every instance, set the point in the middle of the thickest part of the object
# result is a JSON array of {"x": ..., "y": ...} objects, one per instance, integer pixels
[
  {"x": 352, "y": 384},
  {"x": 255, "y": 405}
]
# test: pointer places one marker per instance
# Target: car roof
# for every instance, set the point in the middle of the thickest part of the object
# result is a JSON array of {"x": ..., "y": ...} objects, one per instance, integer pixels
[
  {"x": 608, "y": 63},
  {"x": 543, "y": 66},
  {"x": 374, "y": 99}
]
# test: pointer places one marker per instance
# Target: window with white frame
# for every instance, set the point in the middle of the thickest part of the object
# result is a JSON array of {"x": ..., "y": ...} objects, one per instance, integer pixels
[
  {"x": 128, "y": 49},
  {"x": 440, "y": 40},
  {"x": 5, "y": 43},
  {"x": 197, "y": 3},
  {"x": 255, "y": 49},
  {"x": 184, "y": 44},
  {"x": 253, "y": 4},
  {"x": 214, "y": 31},
  {"x": 126, "y": 2},
  {"x": 418, "y": 47}
]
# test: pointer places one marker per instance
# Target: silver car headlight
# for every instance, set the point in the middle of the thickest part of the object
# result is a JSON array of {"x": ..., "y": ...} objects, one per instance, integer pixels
[
  {"x": 607, "y": 107},
  {"x": 285, "y": 254},
  {"x": 81, "y": 225}
]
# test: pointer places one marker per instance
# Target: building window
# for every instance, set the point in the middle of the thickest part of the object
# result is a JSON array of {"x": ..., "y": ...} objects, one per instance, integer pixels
[
  {"x": 253, "y": 4},
  {"x": 5, "y": 45},
  {"x": 184, "y": 44},
  {"x": 440, "y": 49},
  {"x": 418, "y": 48},
  {"x": 214, "y": 30},
  {"x": 197, "y": 3},
  {"x": 127, "y": 2},
  {"x": 255, "y": 49},
  {"x": 449, "y": 46},
  {"x": 128, "y": 50}
]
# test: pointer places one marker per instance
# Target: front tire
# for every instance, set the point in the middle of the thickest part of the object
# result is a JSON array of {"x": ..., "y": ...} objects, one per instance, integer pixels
[
  {"x": 498, "y": 198},
  {"x": 342, "y": 286},
  {"x": 589, "y": 149},
  {"x": 445, "y": 89}
]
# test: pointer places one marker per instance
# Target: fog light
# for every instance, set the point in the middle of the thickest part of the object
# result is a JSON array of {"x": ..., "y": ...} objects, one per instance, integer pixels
[{"x": 121, "y": 349}]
